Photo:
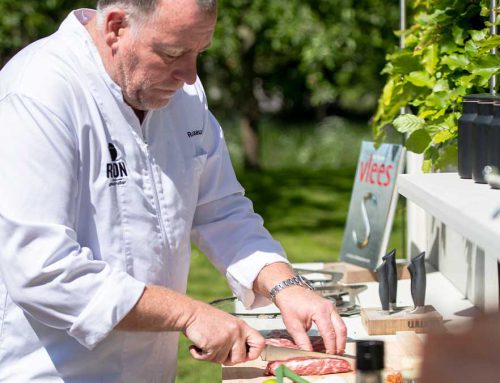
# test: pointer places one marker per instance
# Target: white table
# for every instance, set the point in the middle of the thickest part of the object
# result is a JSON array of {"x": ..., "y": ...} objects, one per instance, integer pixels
[
  {"x": 463, "y": 231},
  {"x": 471, "y": 209}
]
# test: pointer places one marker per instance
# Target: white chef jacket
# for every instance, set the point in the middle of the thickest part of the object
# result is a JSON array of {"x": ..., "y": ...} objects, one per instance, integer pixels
[{"x": 94, "y": 205}]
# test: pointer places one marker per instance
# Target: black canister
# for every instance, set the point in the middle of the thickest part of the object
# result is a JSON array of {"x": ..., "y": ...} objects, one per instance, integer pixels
[
  {"x": 465, "y": 126},
  {"x": 480, "y": 137},
  {"x": 369, "y": 361},
  {"x": 494, "y": 141}
]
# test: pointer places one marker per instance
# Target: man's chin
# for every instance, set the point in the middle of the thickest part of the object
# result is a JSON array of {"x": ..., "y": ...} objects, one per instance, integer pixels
[{"x": 151, "y": 105}]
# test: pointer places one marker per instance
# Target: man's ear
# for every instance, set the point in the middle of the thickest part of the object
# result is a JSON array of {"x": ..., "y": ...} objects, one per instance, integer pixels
[{"x": 114, "y": 24}]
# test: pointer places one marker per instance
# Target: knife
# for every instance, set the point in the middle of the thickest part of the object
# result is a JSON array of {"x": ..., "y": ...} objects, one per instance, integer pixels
[
  {"x": 383, "y": 285},
  {"x": 418, "y": 282},
  {"x": 392, "y": 277},
  {"x": 272, "y": 353}
]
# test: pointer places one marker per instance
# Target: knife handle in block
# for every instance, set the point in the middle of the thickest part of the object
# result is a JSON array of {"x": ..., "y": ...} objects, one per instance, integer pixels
[
  {"x": 383, "y": 285},
  {"x": 418, "y": 279},
  {"x": 392, "y": 275}
]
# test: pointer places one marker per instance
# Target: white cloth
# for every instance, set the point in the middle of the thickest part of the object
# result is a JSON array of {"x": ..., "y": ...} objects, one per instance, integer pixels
[{"x": 90, "y": 213}]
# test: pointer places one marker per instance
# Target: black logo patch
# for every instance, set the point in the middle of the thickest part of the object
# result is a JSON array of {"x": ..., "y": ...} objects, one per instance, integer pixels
[
  {"x": 116, "y": 170},
  {"x": 112, "y": 152}
]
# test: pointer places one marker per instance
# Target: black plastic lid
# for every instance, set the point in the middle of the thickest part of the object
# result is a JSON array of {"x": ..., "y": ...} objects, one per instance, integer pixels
[{"x": 369, "y": 355}]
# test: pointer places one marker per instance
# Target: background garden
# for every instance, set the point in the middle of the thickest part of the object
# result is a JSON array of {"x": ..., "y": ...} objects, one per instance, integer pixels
[{"x": 297, "y": 85}]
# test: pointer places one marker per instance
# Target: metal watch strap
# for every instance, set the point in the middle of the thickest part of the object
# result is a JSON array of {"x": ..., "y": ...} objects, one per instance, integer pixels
[{"x": 298, "y": 280}]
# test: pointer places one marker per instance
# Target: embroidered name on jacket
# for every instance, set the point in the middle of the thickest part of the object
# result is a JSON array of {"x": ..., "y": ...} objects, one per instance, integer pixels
[
  {"x": 195, "y": 133},
  {"x": 116, "y": 170}
]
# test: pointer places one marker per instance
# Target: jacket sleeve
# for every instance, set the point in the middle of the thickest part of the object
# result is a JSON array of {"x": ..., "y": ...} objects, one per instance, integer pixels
[
  {"x": 46, "y": 271},
  {"x": 225, "y": 226}
]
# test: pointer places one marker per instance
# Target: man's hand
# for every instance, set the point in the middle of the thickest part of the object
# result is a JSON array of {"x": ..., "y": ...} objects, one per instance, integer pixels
[
  {"x": 220, "y": 337},
  {"x": 217, "y": 336},
  {"x": 300, "y": 308}
]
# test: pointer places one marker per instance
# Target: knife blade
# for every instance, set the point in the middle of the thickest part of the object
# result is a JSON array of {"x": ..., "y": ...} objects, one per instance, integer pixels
[
  {"x": 272, "y": 353},
  {"x": 418, "y": 280},
  {"x": 383, "y": 285},
  {"x": 392, "y": 277}
]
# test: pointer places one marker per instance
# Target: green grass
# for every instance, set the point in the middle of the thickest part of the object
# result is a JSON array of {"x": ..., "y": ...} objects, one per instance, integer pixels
[{"x": 303, "y": 195}]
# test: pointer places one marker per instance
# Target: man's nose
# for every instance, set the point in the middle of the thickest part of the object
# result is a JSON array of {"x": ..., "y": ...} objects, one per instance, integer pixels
[{"x": 186, "y": 69}]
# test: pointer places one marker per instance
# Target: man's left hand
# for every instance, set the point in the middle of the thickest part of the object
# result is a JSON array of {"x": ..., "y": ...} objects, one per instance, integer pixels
[{"x": 300, "y": 308}]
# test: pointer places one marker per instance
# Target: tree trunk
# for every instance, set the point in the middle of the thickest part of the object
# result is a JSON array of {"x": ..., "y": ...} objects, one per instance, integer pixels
[{"x": 250, "y": 137}]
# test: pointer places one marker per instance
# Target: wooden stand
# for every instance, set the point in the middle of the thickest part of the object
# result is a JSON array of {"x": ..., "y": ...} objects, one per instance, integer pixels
[
  {"x": 358, "y": 274},
  {"x": 377, "y": 322}
]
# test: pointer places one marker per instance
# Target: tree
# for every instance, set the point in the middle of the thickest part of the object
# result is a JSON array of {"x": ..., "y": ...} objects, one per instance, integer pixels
[
  {"x": 22, "y": 22},
  {"x": 292, "y": 56}
]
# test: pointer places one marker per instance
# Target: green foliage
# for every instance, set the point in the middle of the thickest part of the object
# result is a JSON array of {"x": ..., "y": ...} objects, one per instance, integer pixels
[
  {"x": 315, "y": 52},
  {"x": 22, "y": 22},
  {"x": 307, "y": 54},
  {"x": 446, "y": 56}
]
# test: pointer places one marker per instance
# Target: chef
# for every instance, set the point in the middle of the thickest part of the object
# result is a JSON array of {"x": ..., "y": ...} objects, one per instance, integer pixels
[{"x": 110, "y": 163}]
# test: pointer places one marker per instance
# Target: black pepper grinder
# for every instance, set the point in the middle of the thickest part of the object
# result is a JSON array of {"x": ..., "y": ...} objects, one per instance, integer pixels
[
  {"x": 480, "y": 138},
  {"x": 465, "y": 127},
  {"x": 369, "y": 361}
]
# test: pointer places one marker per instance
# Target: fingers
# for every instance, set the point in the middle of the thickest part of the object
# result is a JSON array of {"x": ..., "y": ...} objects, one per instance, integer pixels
[
  {"x": 327, "y": 332},
  {"x": 255, "y": 343},
  {"x": 307, "y": 307},
  {"x": 300, "y": 336},
  {"x": 340, "y": 332},
  {"x": 197, "y": 353},
  {"x": 218, "y": 356},
  {"x": 221, "y": 338},
  {"x": 237, "y": 355},
  {"x": 333, "y": 330}
]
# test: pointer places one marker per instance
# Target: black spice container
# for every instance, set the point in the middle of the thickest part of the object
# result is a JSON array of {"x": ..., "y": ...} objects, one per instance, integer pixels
[
  {"x": 369, "y": 361},
  {"x": 494, "y": 141},
  {"x": 480, "y": 137},
  {"x": 465, "y": 126}
]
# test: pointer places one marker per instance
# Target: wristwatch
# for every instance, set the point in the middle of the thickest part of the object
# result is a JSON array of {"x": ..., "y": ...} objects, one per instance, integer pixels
[{"x": 298, "y": 280}]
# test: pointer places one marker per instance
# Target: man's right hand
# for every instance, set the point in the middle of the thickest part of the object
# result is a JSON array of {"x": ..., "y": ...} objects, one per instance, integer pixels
[
  {"x": 222, "y": 338},
  {"x": 217, "y": 336}
]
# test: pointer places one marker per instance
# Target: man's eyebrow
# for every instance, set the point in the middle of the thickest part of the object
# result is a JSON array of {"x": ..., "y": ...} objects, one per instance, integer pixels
[{"x": 158, "y": 46}]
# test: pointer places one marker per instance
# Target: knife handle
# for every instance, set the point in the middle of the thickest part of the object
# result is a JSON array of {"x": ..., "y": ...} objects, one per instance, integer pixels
[
  {"x": 383, "y": 285},
  {"x": 418, "y": 279},
  {"x": 392, "y": 275}
]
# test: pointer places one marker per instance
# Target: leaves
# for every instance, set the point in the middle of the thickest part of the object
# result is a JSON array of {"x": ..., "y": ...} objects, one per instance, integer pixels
[
  {"x": 418, "y": 141},
  {"x": 408, "y": 123},
  {"x": 447, "y": 56}
]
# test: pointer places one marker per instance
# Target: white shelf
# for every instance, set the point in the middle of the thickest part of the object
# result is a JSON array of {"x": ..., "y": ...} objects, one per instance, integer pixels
[{"x": 471, "y": 209}]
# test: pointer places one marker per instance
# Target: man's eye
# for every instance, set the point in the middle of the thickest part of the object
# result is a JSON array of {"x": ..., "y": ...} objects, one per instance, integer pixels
[{"x": 168, "y": 56}]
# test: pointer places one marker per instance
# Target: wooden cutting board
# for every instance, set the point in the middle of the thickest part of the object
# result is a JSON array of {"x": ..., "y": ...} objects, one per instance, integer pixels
[{"x": 404, "y": 344}]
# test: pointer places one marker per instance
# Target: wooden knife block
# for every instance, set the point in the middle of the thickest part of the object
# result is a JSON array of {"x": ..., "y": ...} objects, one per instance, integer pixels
[{"x": 378, "y": 323}]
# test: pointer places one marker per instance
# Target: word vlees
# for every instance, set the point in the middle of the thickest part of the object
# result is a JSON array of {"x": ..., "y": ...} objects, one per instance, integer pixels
[{"x": 375, "y": 173}]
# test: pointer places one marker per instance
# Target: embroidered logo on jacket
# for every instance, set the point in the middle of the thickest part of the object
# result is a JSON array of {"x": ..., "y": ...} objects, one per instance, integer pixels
[{"x": 116, "y": 170}]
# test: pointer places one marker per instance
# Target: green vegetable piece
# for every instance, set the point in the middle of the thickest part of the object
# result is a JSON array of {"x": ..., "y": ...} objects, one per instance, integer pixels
[{"x": 284, "y": 372}]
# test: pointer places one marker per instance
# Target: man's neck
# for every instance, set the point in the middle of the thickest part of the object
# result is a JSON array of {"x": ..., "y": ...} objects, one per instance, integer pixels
[{"x": 141, "y": 114}]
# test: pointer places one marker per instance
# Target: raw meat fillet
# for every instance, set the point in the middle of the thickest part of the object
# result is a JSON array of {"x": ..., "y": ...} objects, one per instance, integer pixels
[
  {"x": 281, "y": 338},
  {"x": 304, "y": 366},
  {"x": 310, "y": 366}
]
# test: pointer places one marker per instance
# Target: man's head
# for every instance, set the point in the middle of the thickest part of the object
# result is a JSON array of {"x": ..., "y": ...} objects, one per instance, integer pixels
[{"x": 150, "y": 47}]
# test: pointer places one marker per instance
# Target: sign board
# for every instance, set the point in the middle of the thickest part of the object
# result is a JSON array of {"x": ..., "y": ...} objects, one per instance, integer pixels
[{"x": 373, "y": 204}]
